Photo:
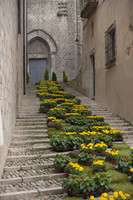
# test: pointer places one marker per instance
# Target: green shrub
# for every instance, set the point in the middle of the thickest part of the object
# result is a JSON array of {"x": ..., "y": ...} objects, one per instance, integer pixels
[
  {"x": 65, "y": 79},
  {"x": 46, "y": 75},
  {"x": 54, "y": 77}
]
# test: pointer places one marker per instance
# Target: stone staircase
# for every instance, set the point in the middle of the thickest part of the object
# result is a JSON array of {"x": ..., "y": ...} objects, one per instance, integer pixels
[{"x": 29, "y": 172}]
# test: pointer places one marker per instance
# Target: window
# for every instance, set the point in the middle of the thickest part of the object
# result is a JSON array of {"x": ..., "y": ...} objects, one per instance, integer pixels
[
  {"x": 19, "y": 16},
  {"x": 110, "y": 46}
]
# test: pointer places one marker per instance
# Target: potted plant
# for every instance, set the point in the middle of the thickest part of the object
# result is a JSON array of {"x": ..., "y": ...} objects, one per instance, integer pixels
[
  {"x": 117, "y": 195},
  {"x": 100, "y": 148},
  {"x": 85, "y": 158},
  {"x": 98, "y": 166},
  {"x": 52, "y": 122},
  {"x": 61, "y": 161},
  {"x": 131, "y": 171},
  {"x": 111, "y": 156},
  {"x": 125, "y": 163},
  {"x": 74, "y": 168}
]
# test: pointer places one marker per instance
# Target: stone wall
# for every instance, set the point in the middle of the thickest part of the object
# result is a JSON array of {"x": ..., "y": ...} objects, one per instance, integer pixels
[
  {"x": 57, "y": 20},
  {"x": 113, "y": 86},
  {"x": 11, "y": 71}
]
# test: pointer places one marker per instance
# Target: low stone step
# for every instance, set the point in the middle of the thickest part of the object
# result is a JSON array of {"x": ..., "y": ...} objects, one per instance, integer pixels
[
  {"x": 38, "y": 148},
  {"x": 34, "y": 120},
  {"x": 30, "y": 116},
  {"x": 16, "y": 168},
  {"x": 119, "y": 124},
  {"x": 123, "y": 128},
  {"x": 31, "y": 193},
  {"x": 31, "y": 144},
  {"x": 114, "y": 121},
  {"x": 28, "y": 172},
  {"x": 33, "y": 141},
  {"x": 36, "y": 123},
  {"x": 40, "y": 131},
  {"x": 24, "y": 137},
  {"x": 128, "y": 132},
  {"x": 35, "y": 127}
]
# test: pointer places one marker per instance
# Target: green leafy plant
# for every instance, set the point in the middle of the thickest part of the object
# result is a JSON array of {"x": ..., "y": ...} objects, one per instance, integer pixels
[
  {"x": 85, "y": 158},
  {"x": 65, "y": 79},
  {"x": 98, "y": 166},
  {"x": 46, "y": 75},
  {"x": 74, "y": 168},
  {"x": 61, "y": 161},
  {"x": 125, "y": 163},
  {"x": 28, "y": 76},
  {"x": 54, "y": 77}
]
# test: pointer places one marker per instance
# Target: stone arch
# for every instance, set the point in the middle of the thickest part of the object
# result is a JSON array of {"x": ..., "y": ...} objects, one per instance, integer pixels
[
  {"x": 46, "y": 42},
  {"x": 45, "y": 36}
]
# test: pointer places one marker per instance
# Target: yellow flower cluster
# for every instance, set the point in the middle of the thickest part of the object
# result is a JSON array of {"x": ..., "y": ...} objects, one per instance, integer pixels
[
  {"x": 57, "y": 109},
  {"x": 114, "y": 196},
  {"x": 98, "y": 162},
  {"x": 102, "y": 127},
  {"x": 53, "y": 119},
  {"x": 79, "y": 107},
  {"x": 88, "y": 146},
  {"x": 85, "y": 133},
  {"x": 113, "y": 153},
  {"x": 69, "y": 133},
  {"x": 70, "y": 114},
  {"x": 94, "y": 117},
  {"x": 131, "y": 170},
  {"x": 112, "y": 131},
  {"x": 76, "y": 166},
  {"x": 102, "y": 144},
  {"x": 67, "y": 104},
  {"x": 48, "y": 101}
]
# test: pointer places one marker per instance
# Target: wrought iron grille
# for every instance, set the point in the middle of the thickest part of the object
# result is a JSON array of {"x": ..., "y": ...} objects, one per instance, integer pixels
[{"x": 110, "y": 46}]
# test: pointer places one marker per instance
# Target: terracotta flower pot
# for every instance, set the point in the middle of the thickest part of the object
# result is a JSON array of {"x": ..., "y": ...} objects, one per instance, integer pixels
[{"x": 59, "y": 170}]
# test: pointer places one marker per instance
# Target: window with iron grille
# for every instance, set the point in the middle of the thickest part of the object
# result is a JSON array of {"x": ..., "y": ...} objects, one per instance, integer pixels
[{"x": 110, "y": 46}]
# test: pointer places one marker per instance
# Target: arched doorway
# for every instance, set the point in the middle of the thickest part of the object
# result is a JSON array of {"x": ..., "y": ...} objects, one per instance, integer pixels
[
  {"x": 39, "y": 59},
  {"x": 41, "y": 53}
]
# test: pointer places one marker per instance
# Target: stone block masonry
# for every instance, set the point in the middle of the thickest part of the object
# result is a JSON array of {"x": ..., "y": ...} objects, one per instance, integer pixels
[
  {"x": 58, "y": 19},
  {"x": 11, "y": 71}
]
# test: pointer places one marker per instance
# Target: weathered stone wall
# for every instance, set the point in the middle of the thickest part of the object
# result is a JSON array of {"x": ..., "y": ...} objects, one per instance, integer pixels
[
  {"x": 58, "y": 19},
  {"x": 11, "y": 71},
  {"x": 113, "y": 86}
]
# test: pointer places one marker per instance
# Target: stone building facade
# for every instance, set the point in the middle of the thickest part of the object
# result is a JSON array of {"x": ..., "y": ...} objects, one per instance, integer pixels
[
  {"x": 107, "y": 65},
  {"x": 53, "y": 27},
  {"x": 11, "y": 70}
]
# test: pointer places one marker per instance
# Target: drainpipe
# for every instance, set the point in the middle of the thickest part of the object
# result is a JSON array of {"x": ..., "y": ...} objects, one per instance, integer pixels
[{"x": 77, "y": 35}]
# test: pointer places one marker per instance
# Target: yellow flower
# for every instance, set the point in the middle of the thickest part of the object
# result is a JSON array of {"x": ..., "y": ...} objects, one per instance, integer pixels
[
  {"x": 92, "y": 198},
  {"x": 131, "y": 170}
]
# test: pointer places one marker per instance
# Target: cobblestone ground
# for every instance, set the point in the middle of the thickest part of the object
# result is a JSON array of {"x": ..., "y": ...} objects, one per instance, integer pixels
[{"x": 28, "y": 172}]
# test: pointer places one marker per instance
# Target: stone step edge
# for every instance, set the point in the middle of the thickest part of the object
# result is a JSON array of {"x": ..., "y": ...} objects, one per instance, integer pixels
[
  {"x": 30, "y": 142},
  {"x": 21, "y": 136},
  {"x": 14, "y": 150},
  {"x": 31, "y": 193},
  {"x": 31, "y": 178},
  {"x": 28, "y": 167},
  {"x": 16, "y": 158}
]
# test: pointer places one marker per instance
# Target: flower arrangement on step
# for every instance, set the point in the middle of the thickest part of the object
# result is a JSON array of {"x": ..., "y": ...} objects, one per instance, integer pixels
[
  {"x": 61, "y": 142},
  {"x": 57, "y": 112},
  {"x": 85, "y": 158},
  {"x": 98, "y": 166},
  {"x": 100, "y": 148},
  {"x": 101, "y": 128},
  {"x": 117, "y": 135},
  {"x": 125, "y": 163},
  {"x": 89, "y": 148},
  {"x": 75, "y": 119},
  {"x": 46, "y": 104},
  {"x": 52, "y": 122},
  {"x": 112, "y": 156},
  {"x": 131, "y": 173},
  {"x": 85, "y": 185},
  {"x": 96, "y": 118},
  {"x": 61, "y": 162},
  {"x": 117, "y": 195},
  {"x": 74, "y": 168},
  {"x": 82, "y": 109},
  {"x": 77, "y": 129},
  {"x": 99, "y": 137}
]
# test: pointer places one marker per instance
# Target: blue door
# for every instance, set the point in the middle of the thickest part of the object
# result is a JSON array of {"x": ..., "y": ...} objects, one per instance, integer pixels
[{"x": 37, "y": 69}]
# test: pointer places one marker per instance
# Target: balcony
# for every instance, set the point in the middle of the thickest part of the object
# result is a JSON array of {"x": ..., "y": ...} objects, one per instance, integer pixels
[{"x": 89, "y": 8}]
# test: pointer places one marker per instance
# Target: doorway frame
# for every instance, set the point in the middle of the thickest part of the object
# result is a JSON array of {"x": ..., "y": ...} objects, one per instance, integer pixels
[{"x": 92, "y": 75}]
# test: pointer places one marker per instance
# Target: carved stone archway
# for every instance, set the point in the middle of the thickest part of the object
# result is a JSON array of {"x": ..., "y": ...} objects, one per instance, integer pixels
[{"x": 47, "y": 39}]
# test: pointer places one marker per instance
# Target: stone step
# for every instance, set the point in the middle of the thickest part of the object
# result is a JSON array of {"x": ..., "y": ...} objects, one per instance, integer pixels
[
  {"x": 31, "y": 123},
  {"x": 25, "y": 137},
  {"x": 28, "y": 167},
  {"x": 25, "y": 145},
  {"x": 119, "y": 124},
  {"x": 31, "y": 116},
  {"x": 114, "y": 121},
  {"x": 34, "y": 120},
  {"x": 31, "y": 131},
  {"x": 30, "y": 150},
  {"x": 35, "y": 127},
  {"x": 29, "y": 194},
  {"x": 28, "y": 172},
  {"x": 123, "y": 128},
  {"x": 29, "y": 141}
]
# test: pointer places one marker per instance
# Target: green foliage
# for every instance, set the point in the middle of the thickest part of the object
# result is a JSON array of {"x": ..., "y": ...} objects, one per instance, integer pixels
[
  {"x": 46, "y": 75},
  {"x": 61, "y": 161},
  {"x": 65, "y": 79},
  {"x": 54, "y": 77},
  {"x": 28, "y": 76}
]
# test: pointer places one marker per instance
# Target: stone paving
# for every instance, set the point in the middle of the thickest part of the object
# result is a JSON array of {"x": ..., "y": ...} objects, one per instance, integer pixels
[{"x": 28, "y": 172}]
